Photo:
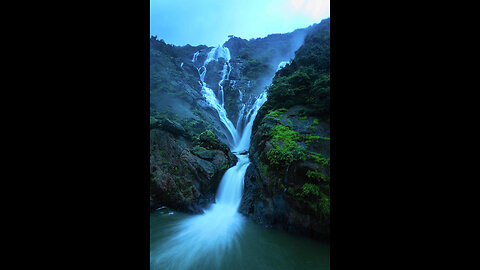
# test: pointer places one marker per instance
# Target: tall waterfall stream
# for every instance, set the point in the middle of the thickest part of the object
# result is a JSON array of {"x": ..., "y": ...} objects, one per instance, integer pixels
[{"x": 222, "y": 238}]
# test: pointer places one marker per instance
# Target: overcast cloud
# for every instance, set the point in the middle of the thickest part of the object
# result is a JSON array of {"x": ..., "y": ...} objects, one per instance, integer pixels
[{"x": 209, "y": 22}]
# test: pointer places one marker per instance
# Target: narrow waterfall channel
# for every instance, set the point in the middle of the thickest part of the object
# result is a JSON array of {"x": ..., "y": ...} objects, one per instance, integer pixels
[
  {"x": 217, "y": 238},
  {"x": 229, "y": 192}
]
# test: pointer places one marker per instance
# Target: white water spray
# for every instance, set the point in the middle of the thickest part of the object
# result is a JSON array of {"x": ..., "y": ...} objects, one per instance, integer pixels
[
  {"x": 282, "y": 65},
  {"x": 210, "y": 235},
  {"x": 195, "y": 55}
]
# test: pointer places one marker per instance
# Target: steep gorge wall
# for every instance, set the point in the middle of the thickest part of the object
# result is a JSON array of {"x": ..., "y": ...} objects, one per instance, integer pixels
[{"x": 287, "y": 184}]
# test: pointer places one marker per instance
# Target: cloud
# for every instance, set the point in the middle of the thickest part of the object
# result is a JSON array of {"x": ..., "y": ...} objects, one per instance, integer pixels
[
  {"x": 314, "y": 9},
  {"x": 210, "y": 22}
]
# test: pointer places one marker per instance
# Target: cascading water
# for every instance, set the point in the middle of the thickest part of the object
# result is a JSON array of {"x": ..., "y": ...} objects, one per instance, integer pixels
[
  {"x": 212, "y": 234},
  {"x": 209, "y": 95}
]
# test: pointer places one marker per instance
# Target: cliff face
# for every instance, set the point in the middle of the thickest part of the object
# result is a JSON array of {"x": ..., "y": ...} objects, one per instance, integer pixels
[
  {"x": 187, "y": 158},
  {"x": 185, "y": 173},
  {"x": 184, "y": 176},
  {"x": 288, "y": 183}
]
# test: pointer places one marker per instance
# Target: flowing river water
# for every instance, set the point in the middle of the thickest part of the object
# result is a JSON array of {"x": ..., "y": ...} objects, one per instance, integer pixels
[{"x": 222, "y": 238}]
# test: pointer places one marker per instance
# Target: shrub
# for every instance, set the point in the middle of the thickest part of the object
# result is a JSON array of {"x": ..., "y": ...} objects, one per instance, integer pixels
[{"x": 285, "y": 147}]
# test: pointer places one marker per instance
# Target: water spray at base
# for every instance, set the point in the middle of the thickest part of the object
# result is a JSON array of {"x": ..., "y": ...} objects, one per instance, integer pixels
[{"x": 212, "y": 234}]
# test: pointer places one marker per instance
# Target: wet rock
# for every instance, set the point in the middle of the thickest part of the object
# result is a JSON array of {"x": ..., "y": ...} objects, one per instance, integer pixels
[
  {"x": 181, "y": 179},
  {"x": 172, "y": 127},
  {"x": 289, "y": 197}
]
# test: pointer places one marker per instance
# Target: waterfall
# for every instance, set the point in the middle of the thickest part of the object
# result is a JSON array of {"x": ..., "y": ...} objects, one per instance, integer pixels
[
  {"x": 244, "y": 142},
  {"x": 212, "y": 234},
  {"x": 195, "y": 55},
  {"x": 240, "y": 116},
  {"x": 209, "y": 95}
]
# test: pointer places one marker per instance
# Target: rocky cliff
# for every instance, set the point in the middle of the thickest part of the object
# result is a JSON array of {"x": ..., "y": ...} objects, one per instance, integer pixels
[{"x": 288, "y": 183}]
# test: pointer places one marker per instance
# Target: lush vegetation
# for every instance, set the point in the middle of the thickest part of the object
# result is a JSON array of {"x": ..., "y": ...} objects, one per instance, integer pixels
[
  {"x": 290, "y": 139},
  {"x": 294, "y": 121},
  {"x": 208, "y": 140},
  {"x": 306, "y": 80},
  {"x": 285, "y": 147}
]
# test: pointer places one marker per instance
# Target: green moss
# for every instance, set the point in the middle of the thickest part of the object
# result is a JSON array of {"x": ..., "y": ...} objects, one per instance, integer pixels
[
  {"x": 284, "y": 134},
  {"x": 225, "y": 167},
  {"x": 276, "y": 113},
  {"x": 254, "y": 69},
  {"x": 314, "y": 124},
  {"x": 308, "y": 189},
  {"x": 285, "y": 147},
  {"x": 198, "y": 148},
  {"x": 208, "y": 140},
  {"x": 153, "y": 121},
  {"x": 310, "y": 138},
  {"x": 280, "y": 184},
  {"x": 324, "y": 205},
  {"x": 317, "y": 176},
  {"x": 263, "y": 169},
  {"x": 303, "y": 118},
  {"x": 319, "y": 158},
  {"x": 316, "y": 200}
]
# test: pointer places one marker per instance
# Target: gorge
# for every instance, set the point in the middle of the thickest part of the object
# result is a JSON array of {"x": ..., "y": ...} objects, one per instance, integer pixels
[{"x": 240, "y": 138}]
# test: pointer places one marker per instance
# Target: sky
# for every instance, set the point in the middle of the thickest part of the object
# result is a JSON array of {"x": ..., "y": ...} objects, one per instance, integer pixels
[{"x": 210, "y": 22}]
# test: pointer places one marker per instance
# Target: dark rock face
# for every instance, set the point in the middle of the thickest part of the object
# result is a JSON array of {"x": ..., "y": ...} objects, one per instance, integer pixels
[
  {"x": 181, "y": 177},
  {"x": 280, "y": 198},
  {"x": 172, "y": 127},
  {"x": 288, "y": 184},
  {"x": 285, "y": 190}
]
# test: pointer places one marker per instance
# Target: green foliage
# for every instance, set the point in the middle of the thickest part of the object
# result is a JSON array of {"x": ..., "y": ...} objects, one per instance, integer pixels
[
  {"x": 282, "y": 133},
  {"x": 263, "y": 169},
  {"x": 309, "y": 138},
  {"x": 207, "y": 140},
  {"x": 316, "y": 200},
  {"x": 308, "y": 189},
  {"x": 319, "y": 158},
  {"x": 315, "y": 175},
  {"x": 285, "y": 148},
  {"x": 254, "y": 69},
  {"x": 306, "y": 81},
  {"x": 153, "y": 121},
  {"x": 276, "y": 113}
]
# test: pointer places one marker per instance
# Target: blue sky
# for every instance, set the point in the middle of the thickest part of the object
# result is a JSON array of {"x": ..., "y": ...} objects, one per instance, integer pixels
[{"x": 209, "y": 22}]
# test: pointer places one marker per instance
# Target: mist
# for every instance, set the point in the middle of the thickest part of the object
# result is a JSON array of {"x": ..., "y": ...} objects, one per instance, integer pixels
[{"x": 210, "y": 22}]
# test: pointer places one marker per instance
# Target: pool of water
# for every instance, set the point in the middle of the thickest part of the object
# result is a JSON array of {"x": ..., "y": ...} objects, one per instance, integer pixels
[{"x": 250, "y": 246}]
